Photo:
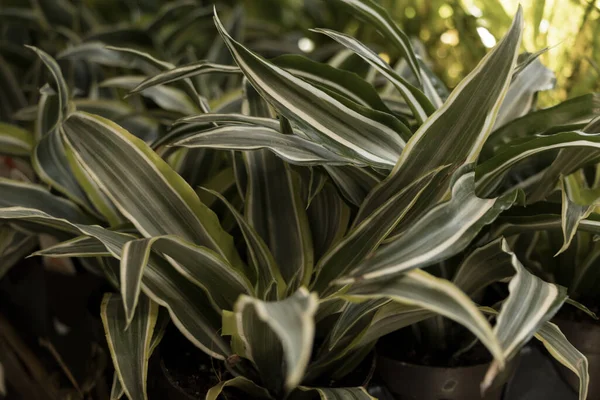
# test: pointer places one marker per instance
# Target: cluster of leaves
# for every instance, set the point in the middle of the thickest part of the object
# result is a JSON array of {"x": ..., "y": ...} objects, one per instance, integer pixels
[{"x": 284, "y": 220}]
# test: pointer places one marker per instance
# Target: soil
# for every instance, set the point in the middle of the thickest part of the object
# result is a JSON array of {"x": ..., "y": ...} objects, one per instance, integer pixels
[
  {"x": 184, "y": 371},
  {"x": 403, "y": 346}
]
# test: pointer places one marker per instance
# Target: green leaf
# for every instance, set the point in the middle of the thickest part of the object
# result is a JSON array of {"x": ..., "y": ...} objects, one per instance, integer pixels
[
  {"x": 199, "y": 265},
  {"x": 571, "y": 114},
  {"x": 392, "y": 317},
  {"x": 14, "y": 246},
  {"x": 325, "y": 120},
  {"x": 329, "y": 217},
  {"x": 273, "y": 194},
  {"x": 418, "y": 288},
  {"x": 232, "y": 118},
  {"x": 415, "y": 99},
  {"x": 454, "y": 134},
  {"x": 129, "y": 348},
  {"x": 354, "y": 183},
  {"x": 241, "y": 383},
  {"x": 344, "y": 393},
  {"x": 288, "y": 322},
  {"x": 184, "y": 72},
  {"x": 62, "y": 88},
  {"x": 484, "y": 266},
  {"x": 267, "y": 272},
  {"x": 519, "y": 100},
  {"x": 28, "y": 195},
  {"x": 495, "y": 174},
  {"x": 15, "y": 141},
  {"x": 572, "y": 213},
  {"x": 167, "y": 98},
  {"x": 531, "y": 302},
  {"x": 378, "y": 17},
  {"x": 362, "y": 240},
  {"x": 334, "y": 80},
  {"x": 143, "y": 186},
  {"x": 443, "y": 232},
  {"x": 190, "y": 308},
  {"x": 81, "y": 246},
  {"x": 292, "y": 149},
  {"x": 564, "y": 352}
]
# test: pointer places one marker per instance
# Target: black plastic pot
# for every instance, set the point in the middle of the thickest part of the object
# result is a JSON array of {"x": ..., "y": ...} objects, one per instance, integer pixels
[
  {"x": 585, "y": 336},
  {"x": 418, "y": 382}
]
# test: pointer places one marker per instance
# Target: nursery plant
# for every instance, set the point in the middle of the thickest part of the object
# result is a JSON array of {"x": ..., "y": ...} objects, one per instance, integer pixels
[{"x": 337, "y": 196}]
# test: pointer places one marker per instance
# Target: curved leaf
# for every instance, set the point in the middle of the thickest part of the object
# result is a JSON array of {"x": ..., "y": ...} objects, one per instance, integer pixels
[
  {"x": 142, "y": 186},
  {"x": 15, "y": 141},
  {"x": 292, "y": 149},
  {"x": 324, "y": 119}
]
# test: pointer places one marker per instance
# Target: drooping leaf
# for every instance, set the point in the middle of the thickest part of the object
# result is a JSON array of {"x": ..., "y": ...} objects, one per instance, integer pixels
[
  {"x": 289, "y": 323},
  {"x": 183, "y": 72},
  {"x": 339, "y": 127},
  {"x": 267, "y": 271},
  {"x": 531, "y": 302},
  {"x": 292, "y": 149},
  {"x": 130, "y": 348},
  {"x": 443, "y": 232},
  {"x": 369, "y": 234},
  {"x": 418, "y": 288},
  {"x": 200, "y": 265},
  {"x": 142, "y": 186},
  {"x": 415, "y": 99},
  {"x": 378, "y": 17},
  {"x": 241, "y": 383},
  {"x": 168, "y": 98},
  {"x": 564, "y": 352},
  {"x": 454, "y": 134},
  {"x": 572, "y": 213},
  {"x": 571, "y": 114},
  {"x": 494, "y": 175},
  {"x": 15, "y": 141}
]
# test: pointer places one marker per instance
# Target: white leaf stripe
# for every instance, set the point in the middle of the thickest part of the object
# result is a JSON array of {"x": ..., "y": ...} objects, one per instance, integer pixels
[
  {"x": 418, "y": 288},
  {"x": 267, "y": 271},
  {"x": 455, "y": 133},
  {"x": 129, "y": 349},
  {"x": 292, "y": 320},
  {"x": 292, "y": 149},
  {"x": 444, "y": 231},
  {"x": 557, "y": 344},
  {"x": 490, "y": 173},
  {"x": 368, "y": 235},
  {"x": 416, "y": 100},
  {"x": 531, "y": 302},
  {"x": 168, "y": 98},
  {"x": 381, "y": 20},
  {"x": 144, "y": 188},
  {"x": 271, "y": 123},
  {"x": 15, "y": 141},
  {"x": 183, "y": 72},
  {"x": 133, "y": 261},
  {"x": 311, "y": 108},
  {"x": 63, "y": 90}
]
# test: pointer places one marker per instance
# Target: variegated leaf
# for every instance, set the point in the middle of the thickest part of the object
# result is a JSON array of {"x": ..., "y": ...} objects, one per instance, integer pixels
[
  {"x": 455, "y": 133},
  {"x": 143, "y": 186},
  {"x": 292, "y": 149},
  {"x": 443, "y": 232},
  {"x": 15, "y": 141},
  {"x": 130, "y": 348},
  {"x": 340, "y": 127},
  {"x": 278, "y": 337}
]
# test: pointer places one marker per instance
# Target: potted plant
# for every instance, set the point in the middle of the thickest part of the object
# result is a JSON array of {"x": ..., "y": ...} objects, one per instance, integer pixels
[{"x": 344, "y": 201}]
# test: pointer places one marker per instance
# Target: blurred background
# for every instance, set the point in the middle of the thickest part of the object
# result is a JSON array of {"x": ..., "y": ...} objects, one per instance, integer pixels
[{"x": 453, "y": 34}]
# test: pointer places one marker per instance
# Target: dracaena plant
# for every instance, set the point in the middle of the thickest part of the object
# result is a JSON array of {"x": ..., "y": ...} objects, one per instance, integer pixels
[{"x": 346, "y": 198}]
